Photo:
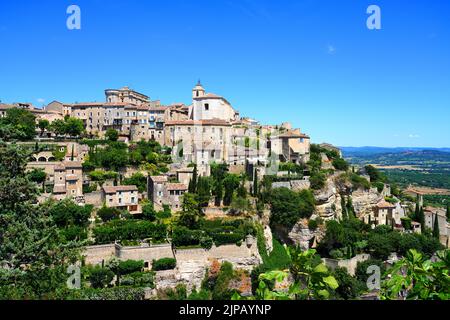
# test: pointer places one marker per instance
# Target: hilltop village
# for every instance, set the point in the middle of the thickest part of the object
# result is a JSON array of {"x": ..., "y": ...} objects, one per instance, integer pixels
[{"x": 177, "y": 201}]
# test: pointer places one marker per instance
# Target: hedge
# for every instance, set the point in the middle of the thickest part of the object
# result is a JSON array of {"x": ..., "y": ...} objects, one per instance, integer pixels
[
  {"x": 130, "y": 266},
  {"x": 164, "y": 264},
  {"x": 117, "y": 230},
  {"x": 227, "y": 238}
]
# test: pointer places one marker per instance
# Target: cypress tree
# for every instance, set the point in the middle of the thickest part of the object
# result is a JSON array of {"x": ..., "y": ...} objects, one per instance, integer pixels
[
  {"x": 193, "y": 183},
  {"x": 72, "y": 155},
  {"x": 417, "y": 210},
  {"x": 350, "y": 209},
  {"x": 422, "y": 220},
  {"x": 448, "y": 212},
  {"x": 343, "y": 207},
  {"x": 436, "y": 227}
]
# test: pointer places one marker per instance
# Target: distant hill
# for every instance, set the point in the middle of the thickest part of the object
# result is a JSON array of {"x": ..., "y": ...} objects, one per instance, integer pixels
[{"x": 367, "y": 151}]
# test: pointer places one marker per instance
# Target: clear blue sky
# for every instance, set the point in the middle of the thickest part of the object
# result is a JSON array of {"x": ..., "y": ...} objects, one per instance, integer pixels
[{"x": 313, "y": 63}]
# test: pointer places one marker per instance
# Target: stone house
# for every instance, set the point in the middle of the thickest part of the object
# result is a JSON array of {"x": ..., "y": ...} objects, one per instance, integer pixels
[
  {"x": 162, "y": 192},
  {"x": 68, "y": 180},
  {"x": 383, "y": 214},
  {"x": 122, "y": 198}
]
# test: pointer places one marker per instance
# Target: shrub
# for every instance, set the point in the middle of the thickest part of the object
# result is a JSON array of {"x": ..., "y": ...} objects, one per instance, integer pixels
[
  {"x": 227, "y": 238},
  {"x": 149, "y": 212},
  {"x": 313, "y": 224},
  {"x": 139, "y": 279},
  {"x": 206, "y": 242},
  {"x": 182, "y": 236},
  {"x": 100, "y": 277},
  {"x": 289, "y": 206},
  {"x": 108, "y": 214},
  {"x": 340, "y": 164},
  {"x": 164, "y": 264},
  {"x": 130, "y": 266},
  {"x": 317, "y": 180}
]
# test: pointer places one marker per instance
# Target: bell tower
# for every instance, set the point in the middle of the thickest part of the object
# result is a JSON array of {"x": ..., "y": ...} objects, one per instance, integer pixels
[{"x": 198, "y": 90}]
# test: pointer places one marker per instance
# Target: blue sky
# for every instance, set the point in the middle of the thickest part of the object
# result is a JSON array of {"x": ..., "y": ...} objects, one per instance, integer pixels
[{"x": 313, "y": 63}]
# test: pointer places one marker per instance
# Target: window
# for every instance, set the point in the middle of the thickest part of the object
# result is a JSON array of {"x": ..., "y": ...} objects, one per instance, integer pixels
[{"x": 206, "y": 106}]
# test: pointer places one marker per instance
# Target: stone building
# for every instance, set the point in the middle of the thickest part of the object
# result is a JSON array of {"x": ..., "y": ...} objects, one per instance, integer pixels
[
  {"x": 126, "y": 95},
  {"x": 68, "y": 180},
  {"x": 383, "y": 214},
  {"x": 162, "y": 192},
  {"x": 122, "y": 198}
]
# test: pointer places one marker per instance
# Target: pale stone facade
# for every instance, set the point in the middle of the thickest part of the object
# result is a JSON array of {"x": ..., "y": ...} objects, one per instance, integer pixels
[
  {"x": 68, "y": 179},
  {"x": 122, "y": 198},
  {"x": 161, "y": 192}
]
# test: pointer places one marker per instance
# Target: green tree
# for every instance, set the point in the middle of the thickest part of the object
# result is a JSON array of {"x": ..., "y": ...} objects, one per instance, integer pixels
[
  {"x": 100, "y": 277},
  {"x": 19, "y": 124},
  {"x": 74, "y": 127},
  {"x": 422, "y": 220},
  {"x": 108, "y": 214},
  {"x": 112, "y": 135},
  {"x": 192, "y": 188},
  {"x": 190, "y": 215},
  {"x": 148, "y": 211},
  {"x": 34, "y": 262},
  {"x": 340, "y": 164},
  {"x": 39, "y": 176},
  {"x": 289, "y": 206},
  {"x": 203, "y": 191},
  {"x": 436, "y": 234},
  {"x": 58, "y": 127},
  {"x": 218, "y": 193},
  {"x": 43, "y": 124},
  {"x": 231, "y": 183}
]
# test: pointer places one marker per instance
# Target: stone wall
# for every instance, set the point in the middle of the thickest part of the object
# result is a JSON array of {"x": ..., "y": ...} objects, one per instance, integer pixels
[
  {"x": 94, "y": 198},
  {"x": 146, "y": 253},
  {"x": 97, "y": 254},
  {"x": 349, "y": 264}
]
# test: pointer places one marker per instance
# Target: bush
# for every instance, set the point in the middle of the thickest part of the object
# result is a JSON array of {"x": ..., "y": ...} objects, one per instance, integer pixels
[
  {"x": 182, "y": 236},
  {"x": 206, "y": 243},
  {"x": 227, "y": 238},
  {"x": 317, "y": 180},
  {"x": 313, "y": 225},
  {"x": 139, "y": 279},
  {"x": 340, "y": 164},
  {"x": 108, "y": 214},
  {"x": 74, "y": 233},
  {"x": 289, "y": 206},
  {"x": 149, "y": 212},
  {"x": 164, "y": 264},
  {"x": 130, "y": 266},
  {"x": 100, "y": 277}
]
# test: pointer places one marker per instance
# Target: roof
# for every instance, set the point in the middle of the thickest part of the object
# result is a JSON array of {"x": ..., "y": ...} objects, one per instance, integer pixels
[
  {"x": 385, "y": 204},
  {"x": 159, "y": 179},
  {"x": 176, "y": 186},
  {"x": 116, "y": 189},
  {"x": 292, "y": 135},
  {"x": 73, "y": 164}
]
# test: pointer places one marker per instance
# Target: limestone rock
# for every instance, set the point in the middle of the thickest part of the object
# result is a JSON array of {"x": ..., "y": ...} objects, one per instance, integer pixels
[{"x": 268, "y": 238}]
